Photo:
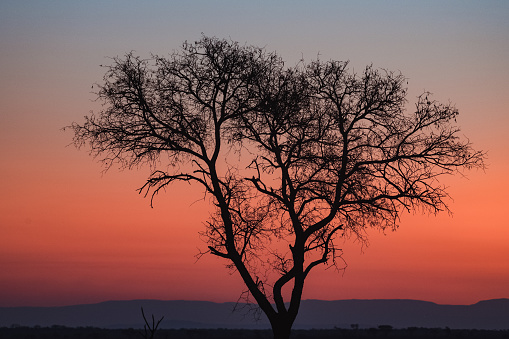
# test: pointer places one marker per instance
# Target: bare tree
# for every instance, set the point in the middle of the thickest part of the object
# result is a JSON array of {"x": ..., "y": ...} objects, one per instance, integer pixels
[
  {"x": 293, "y": 158},
  {"x": 149, "y": 331}
]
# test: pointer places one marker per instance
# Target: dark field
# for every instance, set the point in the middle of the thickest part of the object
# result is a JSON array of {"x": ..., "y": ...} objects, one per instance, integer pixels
[{"x": 59, "y": 332}]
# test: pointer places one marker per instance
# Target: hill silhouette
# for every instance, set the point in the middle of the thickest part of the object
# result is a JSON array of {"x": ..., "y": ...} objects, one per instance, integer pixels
[{"x": 318, "y": 314}]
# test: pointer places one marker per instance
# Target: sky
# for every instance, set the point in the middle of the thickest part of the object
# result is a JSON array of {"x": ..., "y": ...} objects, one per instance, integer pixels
[{"x": 72, "y": 234}]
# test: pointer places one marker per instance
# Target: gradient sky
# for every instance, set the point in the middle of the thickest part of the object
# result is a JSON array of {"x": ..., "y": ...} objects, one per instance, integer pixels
[{"x": 71, "y": 234}]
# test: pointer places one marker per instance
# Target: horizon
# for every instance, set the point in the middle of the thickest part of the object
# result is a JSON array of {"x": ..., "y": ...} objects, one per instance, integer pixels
[
  {"x": 72, "y": 234},
  {"x": 177, "y": 314},
  {"x": 241, "y": 302}
]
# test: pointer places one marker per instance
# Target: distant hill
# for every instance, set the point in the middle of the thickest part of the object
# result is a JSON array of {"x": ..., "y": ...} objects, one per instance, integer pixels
[{"x": 319, "y": 314}]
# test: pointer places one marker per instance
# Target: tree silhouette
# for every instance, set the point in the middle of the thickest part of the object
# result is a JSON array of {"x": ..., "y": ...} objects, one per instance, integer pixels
[{"x": 292, "y": 158}]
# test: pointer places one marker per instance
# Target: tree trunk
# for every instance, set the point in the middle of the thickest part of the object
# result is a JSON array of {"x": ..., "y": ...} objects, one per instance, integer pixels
[{"x": 281, "y": 329}]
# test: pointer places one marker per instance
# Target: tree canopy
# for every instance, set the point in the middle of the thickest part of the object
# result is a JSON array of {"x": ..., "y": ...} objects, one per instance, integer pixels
[{"x": 292, "y": 158}]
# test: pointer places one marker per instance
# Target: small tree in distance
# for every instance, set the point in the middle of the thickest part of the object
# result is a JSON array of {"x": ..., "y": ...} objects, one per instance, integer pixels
[{"x": 293, "y": 158}]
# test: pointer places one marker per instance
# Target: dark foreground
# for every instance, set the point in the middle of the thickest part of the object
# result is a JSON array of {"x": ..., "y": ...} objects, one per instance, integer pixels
[{"x": 59, "y": 332}]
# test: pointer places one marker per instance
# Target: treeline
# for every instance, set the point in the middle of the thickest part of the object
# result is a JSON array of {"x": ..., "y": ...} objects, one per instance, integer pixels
[{"x": 62, "y": 332}]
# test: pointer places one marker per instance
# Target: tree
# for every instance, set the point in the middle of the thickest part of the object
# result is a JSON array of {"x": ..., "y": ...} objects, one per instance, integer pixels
[{"x": 292, "y": 158}]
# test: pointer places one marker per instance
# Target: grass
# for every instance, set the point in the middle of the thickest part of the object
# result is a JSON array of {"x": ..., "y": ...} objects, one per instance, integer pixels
[{"x": 56, "y": 332}]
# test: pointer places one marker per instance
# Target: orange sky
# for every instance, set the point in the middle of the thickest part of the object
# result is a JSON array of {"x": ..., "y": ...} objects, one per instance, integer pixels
[{"x": 70, "y": 234}]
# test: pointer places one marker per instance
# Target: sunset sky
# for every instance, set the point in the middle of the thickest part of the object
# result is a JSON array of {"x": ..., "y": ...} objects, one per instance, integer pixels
[{"x": 71, "y": 234}]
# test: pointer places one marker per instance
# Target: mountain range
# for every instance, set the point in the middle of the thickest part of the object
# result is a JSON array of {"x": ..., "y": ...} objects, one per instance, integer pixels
[{"x": 318, "y": 314}]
